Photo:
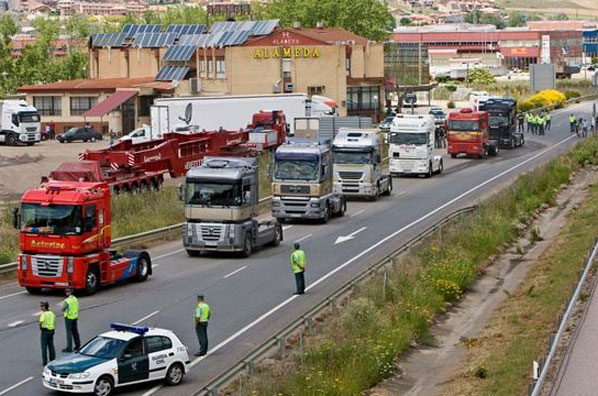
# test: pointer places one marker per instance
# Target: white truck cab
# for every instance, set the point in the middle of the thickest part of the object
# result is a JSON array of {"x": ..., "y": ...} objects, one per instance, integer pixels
[
  {"x": 411, "y": 145},
  {"x": 361, "y": 163},
  {"x": 20, "y": 123}
]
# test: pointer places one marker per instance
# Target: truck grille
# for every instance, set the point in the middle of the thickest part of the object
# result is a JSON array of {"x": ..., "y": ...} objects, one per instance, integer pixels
[
  {"x": 350, "y": 175},
  {"x": 31, "y": 129},
  {"x": 290, "y": 189},
  {"x": 47, "y": 266},
  {"x": 211, "y": 232}
]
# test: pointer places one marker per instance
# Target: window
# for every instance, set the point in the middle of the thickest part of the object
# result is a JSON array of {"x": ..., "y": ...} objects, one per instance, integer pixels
[
  {"x": 135, "y": 347},
  {"x": 220, "y": 68},
  {"x": 348, "y": 66},
  {"x": 318, "y": 90},
  {"x": 210, "y": 68},
  {"x": 144, "y": 104},
  {"x": 90, "y": 218},
  {"x": 80, "y": 104},
  {"x": 362, "y": 98},
  {"x": 202, "y": 68},
  {"x": 157, "y": 343},
  {"x": 48, "y": 105},
  {"x": 286, "y": 68}
]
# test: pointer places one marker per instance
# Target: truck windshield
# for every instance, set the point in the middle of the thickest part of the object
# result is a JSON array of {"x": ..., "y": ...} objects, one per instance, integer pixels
[
  {"x": 51, "y": 219},
  {"x": 408, "y": 138},
  {"x": 499, "y": 121},
  {"x": 296, "y": 169},
  {"x": 103, "y": 347},
  {"x": 352, "y": 157},
  {"x": 212, "y": 194},
  {"x": 29, "y": 116},
  {"x": 464, "y": 125}
]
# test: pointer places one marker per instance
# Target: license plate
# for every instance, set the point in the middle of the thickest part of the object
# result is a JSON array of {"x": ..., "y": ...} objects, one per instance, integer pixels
[
  {"x": 211, "y": 243},
  {"x": 295, "y": 215},
  {"x": 52, "y": 381},
  {"x": 60, "y": 382}
]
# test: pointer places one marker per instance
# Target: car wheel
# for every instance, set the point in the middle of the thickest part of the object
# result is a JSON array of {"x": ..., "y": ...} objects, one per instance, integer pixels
[
  {"x": 104, "y": 386},
  {"x": 175, "y": 374},
  {"x": 247, "y": 246},
  {"x": 143, "y": 268},
  {"x": 92, "y": 281},
  {"x": 33, "y": 290}
]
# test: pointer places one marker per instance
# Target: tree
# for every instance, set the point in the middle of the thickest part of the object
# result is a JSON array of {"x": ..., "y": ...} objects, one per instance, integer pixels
[
  {"x": 476, "y": 17},
  {"x": 8, "y": 28},
  {"x": 517, "y": 19},
  {"x": 405, "y": 22},
  {"x": 560, "y": 17},
  {"x": 368, "y": 18},
  {"x": 479, "y": 76},
  {"x": 595, "y": 60}
]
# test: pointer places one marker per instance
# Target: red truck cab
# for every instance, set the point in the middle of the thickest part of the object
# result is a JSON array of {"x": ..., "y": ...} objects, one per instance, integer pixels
[
  {"x": 467, "y": 133},
  {"x": 65, "y": 235}
]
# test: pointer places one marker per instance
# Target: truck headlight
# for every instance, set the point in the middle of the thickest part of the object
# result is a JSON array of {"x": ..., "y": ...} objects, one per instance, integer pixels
[
  {"x": 70, "y": 265},
  {"x": 315, "y": 204},
  {"x": 78, "y": 376},
  {"x": 275, "y": 203},
  {"x": 23, "y": 259},
  {"x": 189, "y": 229},
  {"x": 231, "y": 231}
]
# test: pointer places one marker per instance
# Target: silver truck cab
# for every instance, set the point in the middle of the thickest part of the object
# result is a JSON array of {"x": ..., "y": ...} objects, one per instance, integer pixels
[{"x": 221, "y": 198}]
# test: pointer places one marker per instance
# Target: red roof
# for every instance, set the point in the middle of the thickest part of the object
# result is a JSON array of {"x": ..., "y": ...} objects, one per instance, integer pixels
[
  {"x": 95, "y": 85},
  {"x": 110, "y": 103}
]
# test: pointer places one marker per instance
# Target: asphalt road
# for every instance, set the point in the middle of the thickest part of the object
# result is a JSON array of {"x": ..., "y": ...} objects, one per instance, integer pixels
[{"x": 252, "y": 298}]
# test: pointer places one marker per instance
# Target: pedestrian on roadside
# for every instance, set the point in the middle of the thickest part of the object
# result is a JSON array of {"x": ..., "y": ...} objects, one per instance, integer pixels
[
  {"x": 202, "y": 317},
  {"x": 572, "y": 123},
  {"x": 541, "y": 121},
  {"x": 520, "y": 120},
  {"x": 534, "y": 124},
  {"x": 70, "y": 309},
  {"x": 298, "y": 265},
  {"x": 52, "y": 131},
  {"x": 47, "y": 131},
  {"x": 593, "y": 124},
  {"x": 442, "y": 141},
  {"x": 46, "y": 325},
  {"x": 528, "y": 120},
  {"x": 585, "y": 125},
  {"x": 548, "y": 121}
]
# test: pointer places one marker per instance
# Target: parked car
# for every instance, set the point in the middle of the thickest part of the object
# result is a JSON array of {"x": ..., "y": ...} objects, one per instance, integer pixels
[
  {"x": 385, "y": 125},
  {"x": 439, "y": 115},
  {"x": 84, "y": 133}
]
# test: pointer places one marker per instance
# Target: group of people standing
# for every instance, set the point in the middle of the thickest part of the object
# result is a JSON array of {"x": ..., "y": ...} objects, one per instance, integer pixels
[
  {"x": 581, "y": 126},
  {"x": 47, "y": 325},
  {"x": 537, "y": 124}
]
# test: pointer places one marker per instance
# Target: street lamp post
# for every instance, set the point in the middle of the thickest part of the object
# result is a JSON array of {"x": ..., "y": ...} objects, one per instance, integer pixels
[{"x": 375, "y": 108}]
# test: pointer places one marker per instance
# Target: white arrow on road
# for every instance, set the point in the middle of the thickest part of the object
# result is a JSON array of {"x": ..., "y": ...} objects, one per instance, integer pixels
[{"x": 342, "y": 238}]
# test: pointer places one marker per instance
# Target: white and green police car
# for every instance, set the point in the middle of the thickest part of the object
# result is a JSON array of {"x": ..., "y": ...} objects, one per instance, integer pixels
[{"x": 124, "y": 356}]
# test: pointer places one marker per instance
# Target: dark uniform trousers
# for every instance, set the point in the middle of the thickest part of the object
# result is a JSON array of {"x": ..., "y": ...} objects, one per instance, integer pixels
[
  {"x": 72, "y": 333},
  {"x": 47, "y": 339},
  {"x": 300, "y": 282},
  {"x": 201, "y": 329}
]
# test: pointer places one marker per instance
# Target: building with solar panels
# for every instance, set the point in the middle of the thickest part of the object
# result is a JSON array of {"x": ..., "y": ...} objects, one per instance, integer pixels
[{"x": 228, "y": 58}]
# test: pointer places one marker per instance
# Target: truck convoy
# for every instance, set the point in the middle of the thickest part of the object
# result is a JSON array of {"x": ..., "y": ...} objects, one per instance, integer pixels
[
  {"x": 232, "y": 111},
  {"x": 302, "y": 182},
  {"x": 65, "y": 235},
  {"x": 221, "y": 198},
  {"x": 411, "y": 145},
  {"x": 502, "y": 115},
  {"x": 20, "y": 123},
  {"x": 467, "y": 133},
  {"x": 360, "y": 159}
]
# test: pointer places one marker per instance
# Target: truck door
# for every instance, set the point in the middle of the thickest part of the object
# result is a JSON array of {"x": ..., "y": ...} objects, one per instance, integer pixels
[
  {"x": 133, "y": 364},
  {"x": 90, "y": 226}
]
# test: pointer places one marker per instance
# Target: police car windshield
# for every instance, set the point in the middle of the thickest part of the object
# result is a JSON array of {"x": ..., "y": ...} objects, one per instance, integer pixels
[
  {"x": 51, "y": 219},
  {"x": 103, "y": 347}
]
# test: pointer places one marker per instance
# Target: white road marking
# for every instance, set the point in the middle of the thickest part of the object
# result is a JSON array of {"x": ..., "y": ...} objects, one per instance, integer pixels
[
  {"x": 5, "y": 391},
  {"x": 303, "y": 238},
  {"x": 343, "y": 238},
  {"x": 155, "y": 265},
  {"x": 146, "y": 317},
  {"x": 234, "y": 272},
  {"x": 13, "y": 294},
  {"x": 329, "y": 274},
  {"x": 167, "y": 254},
  {"x": 357, "y": 213},
  {"x": 287, "y": 227},
  {"x": 15, "y": 323}
]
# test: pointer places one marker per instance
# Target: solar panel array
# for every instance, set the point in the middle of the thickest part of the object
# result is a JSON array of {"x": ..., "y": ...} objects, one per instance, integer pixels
[
  {"x": 185, "y": 29},
  {"x": 179, "y": 53},
  {"x": 257, "y": 28},
  {"x": 154, "y": 40},
  {"x": 132, "y": 30},
  {"x": 108, "y": 39},
  {"x": 220, "y": 39},
  {"x": 170, "y": 73}
]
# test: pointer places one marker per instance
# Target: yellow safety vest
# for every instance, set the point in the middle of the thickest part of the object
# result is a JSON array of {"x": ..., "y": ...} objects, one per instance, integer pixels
[
  {"x": 46, "y": 319},
  {"x": 572, "y": 119},
  {"x": 298, "y": 261},
  {"x": 202, "y": 312},
  {"x": 548, "y": 117},
  {"x": 72, "y": 310}
]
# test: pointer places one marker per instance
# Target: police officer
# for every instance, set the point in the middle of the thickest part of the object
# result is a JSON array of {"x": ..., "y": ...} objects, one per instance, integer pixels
[
  {"x": 548, "y": 121},
  {"x": 528, "y": 120},
  {"x": 46, "y": 325},
  {"x": 202, "y": 316},
  {"x": 298, "y": 265},
  {"x": 541, "y": 124},
  {"x": 520, "y": 122},
  {"x": 572, "y": 123},
  {"x": 70, "y": 309}
]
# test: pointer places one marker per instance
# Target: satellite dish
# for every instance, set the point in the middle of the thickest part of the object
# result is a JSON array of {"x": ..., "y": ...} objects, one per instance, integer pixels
[{"x": 188, "y": 114}]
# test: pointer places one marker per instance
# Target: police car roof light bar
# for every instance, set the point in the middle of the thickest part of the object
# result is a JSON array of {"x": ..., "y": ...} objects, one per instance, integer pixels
[{"x": 129, "y": 328}]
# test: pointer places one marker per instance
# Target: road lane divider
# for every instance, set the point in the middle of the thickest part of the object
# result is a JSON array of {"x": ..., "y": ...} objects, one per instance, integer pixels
[
  {"x": 357, "y": 213},
  {"x": 146, "y": 317},
  {"x": 303, "y": 238},
  {"x": 235, "y": 272},
  {"x": 5, "y": 391},
  {"x": 15, "y": 323}
]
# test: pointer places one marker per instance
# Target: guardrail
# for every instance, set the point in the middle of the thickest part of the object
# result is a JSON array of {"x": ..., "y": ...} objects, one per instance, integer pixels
[
  {"x": 536, "y": 386},
  {"x": 278, "y": 341},
  {"x": 154, "y": 234}
]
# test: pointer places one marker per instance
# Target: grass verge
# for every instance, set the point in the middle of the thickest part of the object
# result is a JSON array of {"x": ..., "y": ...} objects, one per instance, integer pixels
[
  {"x": 518, "y": 333},
  {"x": 352, "y": 351}
]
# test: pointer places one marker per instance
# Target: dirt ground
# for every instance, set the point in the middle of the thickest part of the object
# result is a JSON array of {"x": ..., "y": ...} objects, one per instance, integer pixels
[
  {"x": 21, "y": 167},
  {"x": 427, "y": 370}
]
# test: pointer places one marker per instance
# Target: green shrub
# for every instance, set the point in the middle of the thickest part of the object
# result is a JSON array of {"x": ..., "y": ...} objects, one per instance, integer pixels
[
  {"x": 480, "y": 76},
  {"x": 451, "y": 88},
  {"x": 572, "y": 94},
  {"x": 450, "y": 104}
]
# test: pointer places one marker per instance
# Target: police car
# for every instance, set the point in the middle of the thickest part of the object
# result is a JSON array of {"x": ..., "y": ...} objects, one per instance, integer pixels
[{"x": 126, "y": 355}]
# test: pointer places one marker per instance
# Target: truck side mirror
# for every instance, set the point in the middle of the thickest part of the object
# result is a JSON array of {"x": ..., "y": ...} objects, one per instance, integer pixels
[
  {"x": 179, "y": 188},
  {"x": 16, "y": 219}
]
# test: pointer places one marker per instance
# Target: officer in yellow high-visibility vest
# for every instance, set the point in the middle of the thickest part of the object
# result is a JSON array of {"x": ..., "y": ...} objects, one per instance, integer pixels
[
  {"x": 46, "y": 325},
  {"x": 298, "y": 265},
  {"x": 548, "y": 121},
  {"x": 572, "y": 123},
  {"x": 70, "y": 309},
  {"x": 202, "y": 316}
]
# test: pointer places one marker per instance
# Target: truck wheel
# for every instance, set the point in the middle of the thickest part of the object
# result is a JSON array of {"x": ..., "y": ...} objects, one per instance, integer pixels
[
  {"x": 33, "y": 290},
  {"x": 440, "y": 167},
  {"x": 326, "y": 215},
  {"x": 193, "y": 253},
  {"x": 11, "y": 140},
  {"x": 493, "y": 151},
  {"x": 453, "y": 155},
  {"x": 343, "y": 207},
  {"x": 277, "y": 237},
  {"x": 247, "y": 246},
  {"x": 30, "y": 143},
  {"x": 512, "y": 144},
  {"x": 92, "y": 281},
  {"x": 430, "y": 173},
  {"x": 389, "y": 187},
  {"x": 143, "y": 267}
]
